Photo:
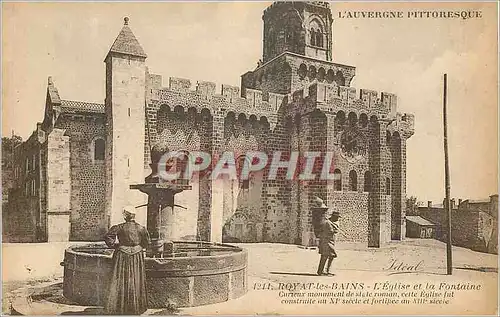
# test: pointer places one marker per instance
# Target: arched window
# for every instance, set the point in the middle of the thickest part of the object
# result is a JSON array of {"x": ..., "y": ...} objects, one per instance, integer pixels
[
  {"x": 353, "y": 181},
  {"x": 317, "y": 27},
  {"x": 352, "y": 119},
  {"x": 339, "y": 79},
  {"x": 319, "y": 39},
  {"x": 271, "y": 40},
  {"x": 340, "y": 119},
  {"x": 240, "y": 163},
  {"x": 302, "y": 71},
  {"x": 368, "y": 182},
  {"x": 387, "y": 186},
  {"x": 313, "y": 37},
  {"x": 99, "y": 149},
  {"x": 363, "y": 120},
  {"x": 337, "y": 180}
]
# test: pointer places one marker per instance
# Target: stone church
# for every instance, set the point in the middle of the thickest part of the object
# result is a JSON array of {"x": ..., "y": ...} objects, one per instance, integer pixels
[{"x": 73, "y": 173}]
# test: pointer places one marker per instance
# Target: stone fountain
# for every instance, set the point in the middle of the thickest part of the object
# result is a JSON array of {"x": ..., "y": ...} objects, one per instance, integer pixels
[{"x": 182, "y": 273}]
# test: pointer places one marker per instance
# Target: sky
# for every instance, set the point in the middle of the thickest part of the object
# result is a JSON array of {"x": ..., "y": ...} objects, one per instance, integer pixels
[{"x": 220, "y": 41}]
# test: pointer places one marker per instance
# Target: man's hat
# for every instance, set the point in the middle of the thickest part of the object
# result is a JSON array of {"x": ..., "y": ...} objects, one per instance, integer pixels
[
  {"x": 319, "y": 204},
  {"x": 129, "y": 210},
  {"x": 335, "y": 213}
]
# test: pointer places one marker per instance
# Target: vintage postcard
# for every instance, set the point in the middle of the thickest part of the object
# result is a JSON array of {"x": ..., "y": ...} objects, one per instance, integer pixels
[{"x": 250, "y": 158}]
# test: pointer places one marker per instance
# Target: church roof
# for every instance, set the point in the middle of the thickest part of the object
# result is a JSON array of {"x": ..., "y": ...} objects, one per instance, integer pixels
[
  {"x": 127, "y": 43},
  {"x": 71, "y": 106}
]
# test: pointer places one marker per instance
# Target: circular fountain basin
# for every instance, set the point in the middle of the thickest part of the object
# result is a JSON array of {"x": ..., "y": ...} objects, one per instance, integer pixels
[{"x": 199, "y": 274}]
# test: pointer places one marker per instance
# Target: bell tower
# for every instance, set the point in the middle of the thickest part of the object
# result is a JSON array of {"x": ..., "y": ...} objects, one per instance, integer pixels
[{"x": 304, "y": 28}]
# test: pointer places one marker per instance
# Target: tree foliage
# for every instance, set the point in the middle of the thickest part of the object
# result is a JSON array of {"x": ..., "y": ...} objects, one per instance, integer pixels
[
  {"x": 412, "y": 205},
  {"x": 8, "y": 145}
]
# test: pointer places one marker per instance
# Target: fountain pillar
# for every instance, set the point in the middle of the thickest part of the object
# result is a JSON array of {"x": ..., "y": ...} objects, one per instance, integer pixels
[
  {"x": 167, "y": 223},
  {"x": 161, "y": 217}
]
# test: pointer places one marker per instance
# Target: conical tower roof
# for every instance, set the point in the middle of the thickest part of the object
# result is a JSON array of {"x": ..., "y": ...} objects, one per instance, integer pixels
[{"x": 127, "y": 43}]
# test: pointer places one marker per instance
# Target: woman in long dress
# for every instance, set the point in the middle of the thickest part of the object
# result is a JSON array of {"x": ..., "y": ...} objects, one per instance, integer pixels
[{"x": 127, "y": 289}]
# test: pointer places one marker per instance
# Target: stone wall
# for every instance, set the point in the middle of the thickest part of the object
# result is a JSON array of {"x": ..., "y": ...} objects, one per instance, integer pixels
[
  {"x": 58, "y": 186},
  {"x": 436, "y": 216},
  {"x": 354, "y": 210},
  {"x": 44, "y": 154},
  {"x": 469, "y": 228},
  {"x": 290, "y": 72},
  {"x": 306, "y": 71},
  {"x": 190, "y": 120},
  {"x": 88, "y": 217},
  {"x": 178, "y": 130},
  {"x": 488, "y": 238},
  {"x": 465, "y": 228},
  {"x": 274, "y": 77},
  {"x": 205, "y": 184},
  {"x": 242, "y": 198},
  {"x": 276, "y": 194},
  {"x": 474, "y": 223},
  {"x": 283, "y": 31},
  {"x": 19, "y": 222}
]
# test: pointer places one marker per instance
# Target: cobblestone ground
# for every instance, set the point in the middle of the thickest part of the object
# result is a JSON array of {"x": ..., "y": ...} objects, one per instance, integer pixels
[{"x": 29, "y": 264}]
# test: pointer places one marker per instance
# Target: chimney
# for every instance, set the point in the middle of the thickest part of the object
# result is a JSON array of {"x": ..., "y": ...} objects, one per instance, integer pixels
[
  {"x": 459, "y": 201},
  {"x": 429, "y": 203},
  {"x": 452, "y": 203}
]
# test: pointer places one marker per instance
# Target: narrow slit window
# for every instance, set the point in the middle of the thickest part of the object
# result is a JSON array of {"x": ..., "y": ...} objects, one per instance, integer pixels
[
  {"x": 353, "y": 181},
  {"x": 99, "y": 149},
  {"x": 337, "y": 180}
]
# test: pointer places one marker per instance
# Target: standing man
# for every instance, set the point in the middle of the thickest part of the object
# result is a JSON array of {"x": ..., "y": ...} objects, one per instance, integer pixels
[
  {"x": 127, "y": 289},
  {"x": 325, "y": 229},
  {"x": 327, "y": 243}
]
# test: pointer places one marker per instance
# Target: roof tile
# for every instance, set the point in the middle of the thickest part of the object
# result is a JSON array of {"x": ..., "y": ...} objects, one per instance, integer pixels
[
  {"x": 419, "y": 220},
  {"x": 127, "y": 43},
  {"x": 71, "y": 106}
]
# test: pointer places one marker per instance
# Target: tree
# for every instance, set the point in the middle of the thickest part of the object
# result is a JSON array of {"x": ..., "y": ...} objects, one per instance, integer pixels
[
  {"x": 412, "y": 205},
  {"x": 8, "y": 145}
]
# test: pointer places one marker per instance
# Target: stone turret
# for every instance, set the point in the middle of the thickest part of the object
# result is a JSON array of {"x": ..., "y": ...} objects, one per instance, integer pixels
[{"x": 125, "y": 121}]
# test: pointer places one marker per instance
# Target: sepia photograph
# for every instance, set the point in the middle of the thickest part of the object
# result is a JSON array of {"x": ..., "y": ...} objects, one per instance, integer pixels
[{"x": 250, "y": 158}]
